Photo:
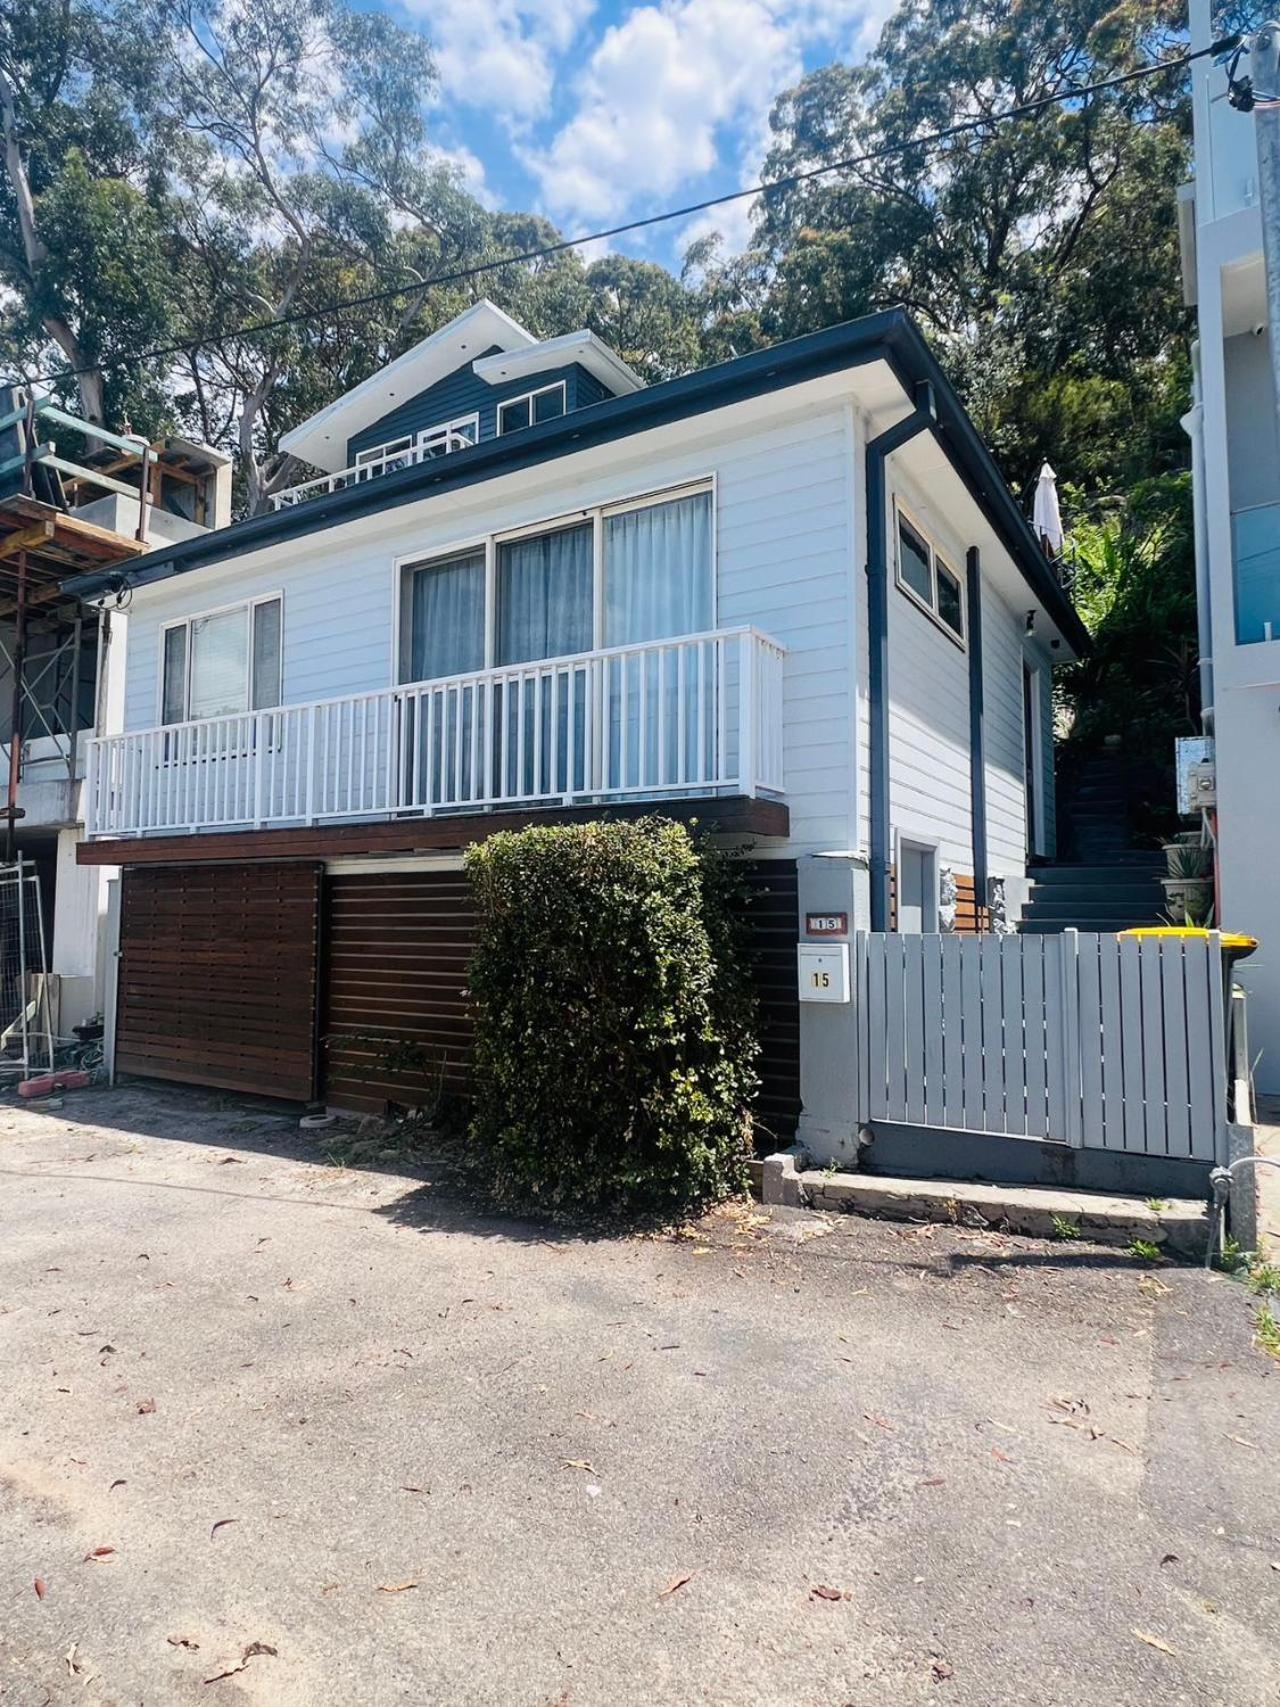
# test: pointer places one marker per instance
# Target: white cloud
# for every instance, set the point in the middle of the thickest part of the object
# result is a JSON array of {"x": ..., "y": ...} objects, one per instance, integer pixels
[
  {"x": 668, "y": 88},
  {"x": 501, "y": 54}
]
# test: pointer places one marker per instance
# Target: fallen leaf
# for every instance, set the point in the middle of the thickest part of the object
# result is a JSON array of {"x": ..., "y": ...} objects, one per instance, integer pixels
[
  {"x": 118, "y": 1483},
  {"x": 942, "y": 1670},
  {"x": 222, "y": 1524},
  {"x": 1251, "y": 1444},
  {"x": 1002, "y": 1456},
  {"x": 71, "y": 1662},
  {"x": 182, "y": 1642},
  {"x": 238, "y": 1160},
  {"x": 251, "y": 1652},
  {"x": 823, "y": 1591},
  {"x": 41, "y": 1588},
  {"x": 98, "y": 1553},
  {"x": 413, "y": 1488},
  {"x": 934, "y": 1482},
  {"x": 397, "y": 1588},
  {"x": 146, "y": 1407},
  {"x": 1155, "y": 1642},
  {"x": 1169, "y": 1559},
  {"x": 676, "y": 1583},
  {"x": 580, "y": 1464}
]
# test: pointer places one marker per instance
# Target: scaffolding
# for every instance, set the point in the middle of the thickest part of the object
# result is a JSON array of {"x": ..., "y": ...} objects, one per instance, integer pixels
[{"x": 26, "y": 1023}]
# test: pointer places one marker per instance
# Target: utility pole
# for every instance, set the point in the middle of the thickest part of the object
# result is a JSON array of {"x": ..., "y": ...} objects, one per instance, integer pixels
[{"x": 1264, "y": 71}]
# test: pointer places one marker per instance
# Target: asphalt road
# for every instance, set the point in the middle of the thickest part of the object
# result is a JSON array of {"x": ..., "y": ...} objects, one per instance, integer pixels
[{"x": 339, "y": 1431}]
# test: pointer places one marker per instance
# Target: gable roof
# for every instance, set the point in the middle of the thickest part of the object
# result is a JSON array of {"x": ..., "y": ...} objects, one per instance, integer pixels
[
  {"x": 584, "y": 348},
  {"x": 322, "y": 439},
  {"x": 890, "y": 336}
]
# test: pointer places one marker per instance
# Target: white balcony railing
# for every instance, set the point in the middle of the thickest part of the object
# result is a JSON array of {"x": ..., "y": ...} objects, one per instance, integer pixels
[
  {"x": 701, "y": 715},
  {"x": 428, "y": 447}
]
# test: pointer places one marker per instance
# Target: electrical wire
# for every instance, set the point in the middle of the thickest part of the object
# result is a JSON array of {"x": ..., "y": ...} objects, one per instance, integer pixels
[{"x": 930, "y": 139}]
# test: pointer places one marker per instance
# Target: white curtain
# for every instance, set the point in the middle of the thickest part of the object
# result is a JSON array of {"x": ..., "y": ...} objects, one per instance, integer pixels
[
  {"x": 447, "y": 618},
  {"x": 658, "y": 585},
  {"x": 446, "y": 638},
  {"x": 544, "y": 596},
  {"x": 657, "y": 571}
]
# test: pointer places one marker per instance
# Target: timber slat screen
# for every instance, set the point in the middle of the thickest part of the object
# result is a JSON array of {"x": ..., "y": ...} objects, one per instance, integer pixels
[
  {"x": 395, "y": 1022},
  {"x": 774, "y": 918},
  {"x": 218, "y": 976}
]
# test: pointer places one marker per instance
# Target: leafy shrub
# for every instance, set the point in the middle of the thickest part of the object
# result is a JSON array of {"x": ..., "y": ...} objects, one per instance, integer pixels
[{"x": 615, "y": 1039}]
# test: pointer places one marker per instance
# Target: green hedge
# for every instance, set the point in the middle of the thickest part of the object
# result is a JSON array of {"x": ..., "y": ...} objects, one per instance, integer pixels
[{"x": 615, "y": 1042}]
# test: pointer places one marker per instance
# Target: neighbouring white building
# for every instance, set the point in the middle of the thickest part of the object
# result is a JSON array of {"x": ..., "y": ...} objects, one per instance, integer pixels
[{"x": 1234, "y": 426}]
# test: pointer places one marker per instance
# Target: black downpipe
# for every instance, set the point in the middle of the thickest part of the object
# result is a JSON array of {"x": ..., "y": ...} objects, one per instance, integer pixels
[
  {"x": 977, "y": 735},
  {"x": 924, "y": 416}
]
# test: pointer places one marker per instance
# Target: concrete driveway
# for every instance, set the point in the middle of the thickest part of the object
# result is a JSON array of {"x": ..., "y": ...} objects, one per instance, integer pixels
[{"x": 271, "y": 1431}]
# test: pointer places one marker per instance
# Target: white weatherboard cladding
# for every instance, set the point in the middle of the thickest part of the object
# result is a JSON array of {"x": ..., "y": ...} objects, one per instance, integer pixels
[
  {"x": 929, "y": 798},
  {"x": 784, "y": 522},
  {"x": 1002, "y": 658}
]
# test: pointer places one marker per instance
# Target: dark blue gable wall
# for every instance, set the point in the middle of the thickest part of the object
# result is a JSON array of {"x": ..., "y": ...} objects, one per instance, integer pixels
[{"x": 463, "y": 393}]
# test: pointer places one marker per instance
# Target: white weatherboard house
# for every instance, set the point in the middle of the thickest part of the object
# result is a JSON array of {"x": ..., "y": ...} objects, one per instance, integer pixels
[
  {"x": 1235, "y": 433},
  {"x": 788, "y": 596}
]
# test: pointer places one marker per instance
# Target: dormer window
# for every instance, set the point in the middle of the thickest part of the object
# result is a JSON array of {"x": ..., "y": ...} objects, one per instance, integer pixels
[{"x": 532, "y": 407}]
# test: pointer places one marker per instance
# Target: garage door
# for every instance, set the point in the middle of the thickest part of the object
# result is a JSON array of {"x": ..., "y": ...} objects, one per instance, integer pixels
[
  {"x": 396, "y": 1022},
  {"x": 218, "y": 976}
]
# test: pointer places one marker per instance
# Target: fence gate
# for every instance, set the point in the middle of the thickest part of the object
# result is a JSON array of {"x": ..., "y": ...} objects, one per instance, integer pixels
[{"x": 1083, "y": 1039}]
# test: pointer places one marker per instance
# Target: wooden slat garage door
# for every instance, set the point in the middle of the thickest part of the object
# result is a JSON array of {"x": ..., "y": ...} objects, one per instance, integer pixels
[
  {"x": 218, "y": 975},
  {"x": 396, "y": 960},
  {"x": 397, "y": 949}
]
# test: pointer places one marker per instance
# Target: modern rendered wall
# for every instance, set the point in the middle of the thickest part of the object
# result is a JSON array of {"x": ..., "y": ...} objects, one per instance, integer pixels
[{"x": 784, "y": 524}]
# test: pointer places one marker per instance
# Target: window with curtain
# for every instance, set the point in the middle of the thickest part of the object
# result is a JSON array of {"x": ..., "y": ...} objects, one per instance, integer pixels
[
  {"x": 658, "y": 571},
  {"x": 445, "y": 627},
  {"x": 544, "y": 595},
  {"x": 226, "y": 662}
]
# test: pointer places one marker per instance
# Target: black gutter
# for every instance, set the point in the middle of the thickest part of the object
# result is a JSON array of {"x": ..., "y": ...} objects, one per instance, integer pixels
[
  {"x": 890, "y": 336},
  {"x": 920, "y": 420},
  {"x": 977, "y": 735}
]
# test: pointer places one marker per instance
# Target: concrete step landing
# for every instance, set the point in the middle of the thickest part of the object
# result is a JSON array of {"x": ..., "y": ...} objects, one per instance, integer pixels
[{"x": 1178, "y": 1225}]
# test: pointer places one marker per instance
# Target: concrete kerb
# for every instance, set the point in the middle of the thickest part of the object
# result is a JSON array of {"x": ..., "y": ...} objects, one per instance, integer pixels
[{"x": 1179, "y": 1226}]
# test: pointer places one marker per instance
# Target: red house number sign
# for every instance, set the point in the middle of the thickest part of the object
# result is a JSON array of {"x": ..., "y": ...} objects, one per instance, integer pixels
[{"x": 826, "y": 924}]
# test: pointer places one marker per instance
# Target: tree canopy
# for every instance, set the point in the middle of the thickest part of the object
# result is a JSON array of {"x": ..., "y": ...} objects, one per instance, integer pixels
[{"x": 176, "y": 169}]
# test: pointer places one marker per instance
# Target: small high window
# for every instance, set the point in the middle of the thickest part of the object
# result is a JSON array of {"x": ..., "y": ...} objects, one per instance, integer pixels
[
  {"x": 925, "y": 576},
  {"x": 534, "y": 406}
]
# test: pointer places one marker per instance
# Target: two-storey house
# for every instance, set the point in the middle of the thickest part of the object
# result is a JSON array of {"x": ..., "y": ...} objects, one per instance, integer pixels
[{"x": 788, "y": 596}]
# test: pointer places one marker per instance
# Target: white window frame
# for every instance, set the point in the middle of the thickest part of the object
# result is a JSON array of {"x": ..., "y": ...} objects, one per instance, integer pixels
[
  {"x": 528, "y": 397},
  {"x": 248, "y": 606},
  {"x": 936, "y": 557},
  {"x": 375, "y": 453},
  {"x": 403, "y": 566},
  {"x": 455, "y": 426}
]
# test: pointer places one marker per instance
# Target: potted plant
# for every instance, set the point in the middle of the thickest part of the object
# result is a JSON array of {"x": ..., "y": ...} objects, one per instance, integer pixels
[{"x": 1188, "y": 888}]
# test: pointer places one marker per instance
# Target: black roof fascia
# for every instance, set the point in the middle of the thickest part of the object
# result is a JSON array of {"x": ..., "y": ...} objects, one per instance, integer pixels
[{"x": 890, "y": 335}]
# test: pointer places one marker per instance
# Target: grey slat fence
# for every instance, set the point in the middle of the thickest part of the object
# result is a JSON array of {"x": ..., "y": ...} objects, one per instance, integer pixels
[{"x": 1081, "y": 1039}]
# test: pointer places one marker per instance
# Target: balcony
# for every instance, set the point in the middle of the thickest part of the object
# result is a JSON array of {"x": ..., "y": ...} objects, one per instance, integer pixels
[
  {"x": 426, "y": 448},
  {"x": 699, "y": 716}
]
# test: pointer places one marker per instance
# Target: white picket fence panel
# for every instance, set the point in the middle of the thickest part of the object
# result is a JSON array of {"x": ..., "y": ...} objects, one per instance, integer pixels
[{"x": 1117, "y": 1044}]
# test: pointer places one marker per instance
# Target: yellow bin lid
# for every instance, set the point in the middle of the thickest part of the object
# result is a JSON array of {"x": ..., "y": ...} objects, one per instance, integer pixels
[{"x": 1235, "y": 942}]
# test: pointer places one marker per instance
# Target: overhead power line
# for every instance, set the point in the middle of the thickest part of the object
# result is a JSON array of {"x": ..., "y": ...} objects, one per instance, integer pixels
[{"x": 929, "y": 139}]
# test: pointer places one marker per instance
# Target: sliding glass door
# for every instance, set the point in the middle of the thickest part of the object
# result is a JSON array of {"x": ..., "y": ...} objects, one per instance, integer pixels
[{"x": 619, "y": 577}]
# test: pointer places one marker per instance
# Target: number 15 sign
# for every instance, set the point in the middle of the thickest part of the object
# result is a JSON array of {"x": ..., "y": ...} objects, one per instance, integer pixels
[{"x": 824, "y": 971}]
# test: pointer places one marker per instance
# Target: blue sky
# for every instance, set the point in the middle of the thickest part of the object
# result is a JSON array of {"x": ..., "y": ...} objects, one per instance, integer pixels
[{"x": 597, "y": 111}]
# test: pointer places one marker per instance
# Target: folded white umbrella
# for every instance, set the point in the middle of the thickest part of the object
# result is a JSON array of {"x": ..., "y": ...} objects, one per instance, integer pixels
[{"x": 1046, "y": 517}]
